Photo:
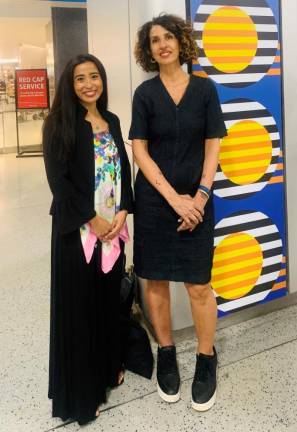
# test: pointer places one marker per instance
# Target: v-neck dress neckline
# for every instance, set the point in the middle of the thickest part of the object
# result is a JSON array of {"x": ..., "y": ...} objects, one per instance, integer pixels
[{"x": 177, "y": 105}]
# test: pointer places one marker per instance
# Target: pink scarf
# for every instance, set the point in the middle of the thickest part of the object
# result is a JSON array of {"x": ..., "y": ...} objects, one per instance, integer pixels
[{"x": 110, "y": 250}]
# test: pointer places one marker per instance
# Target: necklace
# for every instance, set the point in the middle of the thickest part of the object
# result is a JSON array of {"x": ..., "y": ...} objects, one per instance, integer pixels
[{"x": 94, "y": 121}]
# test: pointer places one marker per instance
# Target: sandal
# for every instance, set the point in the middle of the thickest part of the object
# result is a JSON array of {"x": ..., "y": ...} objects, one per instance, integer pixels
[{"x": 121, "y": 377}]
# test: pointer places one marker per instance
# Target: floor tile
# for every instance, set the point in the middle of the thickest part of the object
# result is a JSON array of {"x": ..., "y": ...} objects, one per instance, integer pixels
[{"x": 257, "y": 394}]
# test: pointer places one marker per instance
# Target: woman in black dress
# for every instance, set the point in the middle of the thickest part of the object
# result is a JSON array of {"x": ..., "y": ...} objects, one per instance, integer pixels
[
  {"x": 176, "y": 129},
  {"x": 89, "y": 175}
]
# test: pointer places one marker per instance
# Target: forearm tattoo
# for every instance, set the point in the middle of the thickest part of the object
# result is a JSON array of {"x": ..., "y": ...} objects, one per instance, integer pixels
[{"x": 158, "y": 183}]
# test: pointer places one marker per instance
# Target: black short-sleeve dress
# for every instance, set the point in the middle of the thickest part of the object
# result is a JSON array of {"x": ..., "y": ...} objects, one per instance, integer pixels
[{"x": 176, "y": 135}]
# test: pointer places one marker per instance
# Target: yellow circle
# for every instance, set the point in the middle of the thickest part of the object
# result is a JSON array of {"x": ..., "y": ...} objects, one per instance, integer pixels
[
  {"x": 230, "y": 39},
  {"x": 237, "y": 265},
  {"x": 246, "y": 152}
]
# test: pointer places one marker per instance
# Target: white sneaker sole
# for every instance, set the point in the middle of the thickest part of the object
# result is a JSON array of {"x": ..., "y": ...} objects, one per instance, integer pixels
[
  {"x": 166, "y": 397},
  {"x": 205, "y": 406}
]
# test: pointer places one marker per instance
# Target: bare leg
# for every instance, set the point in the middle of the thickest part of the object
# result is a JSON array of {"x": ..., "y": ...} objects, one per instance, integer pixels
[
  {"x": 204, "y": 312},
  {"x": 157, "y": 297}
]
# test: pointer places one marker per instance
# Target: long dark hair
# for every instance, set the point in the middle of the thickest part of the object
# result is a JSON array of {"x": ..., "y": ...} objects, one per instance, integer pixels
[{"x": 60, "y": 122}]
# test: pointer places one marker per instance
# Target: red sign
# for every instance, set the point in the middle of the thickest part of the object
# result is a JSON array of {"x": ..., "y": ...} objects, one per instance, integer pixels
[{"x": 31, "y": 88}]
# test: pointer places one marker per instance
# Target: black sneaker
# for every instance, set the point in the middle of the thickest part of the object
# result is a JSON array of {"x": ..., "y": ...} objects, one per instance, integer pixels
[
  {"x": 205, "y": 382},
  {"x": 168, "y": 380}
]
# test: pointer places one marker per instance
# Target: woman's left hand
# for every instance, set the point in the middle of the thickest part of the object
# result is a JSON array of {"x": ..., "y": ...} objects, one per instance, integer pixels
[
  {"x": 200, "y": 201},
  {"x": 117, "y": 225}
]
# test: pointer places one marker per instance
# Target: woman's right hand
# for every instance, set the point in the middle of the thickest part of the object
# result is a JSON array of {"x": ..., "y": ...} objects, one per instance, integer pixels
[
  {"x": 101, "y": 227},
  {"x": 187, "y": 209}
]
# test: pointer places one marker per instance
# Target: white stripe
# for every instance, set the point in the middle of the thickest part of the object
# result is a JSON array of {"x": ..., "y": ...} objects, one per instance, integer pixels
[
  {"x": 267, "y": 278},
  {"x": 272, "y": 260},
  {"x": 240, "y": 78},
  {"x": 263, "y": 44},
  {"x": 261, "y": 60},
  {"x": 220, "y": 176},
  {"x": 274, "y": 136},
  {"x": 271, "y": 245},
  {"x": 235, "y": 220},
  {"x": 266, "y": 28},
  {"x": 241, "y": 106},
  {"x": 267, "y": 43},
  {"x": 258, "y": 11},
  {"x": 271, "y": 168},
  {"x": 275, "y": 152},
  {"x": 257, "y": 232},
  {"x": 239, "y": 190},
  {"x": 204, "y": 61},
  {"x": 234, "y": 304},
  {"x": 199, "y": 26},
  {"x": 264, "y": 121},
  {"x": 237, "y": 149}
]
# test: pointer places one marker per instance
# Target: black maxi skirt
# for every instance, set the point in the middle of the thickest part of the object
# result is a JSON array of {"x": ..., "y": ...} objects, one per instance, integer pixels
[{"x": 85, "y": 349}]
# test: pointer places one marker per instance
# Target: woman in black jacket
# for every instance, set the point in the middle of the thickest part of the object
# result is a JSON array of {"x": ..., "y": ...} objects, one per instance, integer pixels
[{"x": 89, "y": 175}]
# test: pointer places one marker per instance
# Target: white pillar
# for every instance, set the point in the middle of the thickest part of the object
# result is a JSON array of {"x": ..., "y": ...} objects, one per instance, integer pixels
[{"x": 289, "y": 34}]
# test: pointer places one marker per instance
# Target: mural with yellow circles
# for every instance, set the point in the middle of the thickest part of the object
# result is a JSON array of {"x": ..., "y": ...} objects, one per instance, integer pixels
[{"x": 240, "y": 50}]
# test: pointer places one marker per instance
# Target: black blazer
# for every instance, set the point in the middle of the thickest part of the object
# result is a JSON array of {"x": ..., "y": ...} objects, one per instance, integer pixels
[{"x": 72, "y": 183}]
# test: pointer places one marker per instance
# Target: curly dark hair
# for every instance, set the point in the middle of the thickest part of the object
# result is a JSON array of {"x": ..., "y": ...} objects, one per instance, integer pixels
[{"x": 181, "y": 29}]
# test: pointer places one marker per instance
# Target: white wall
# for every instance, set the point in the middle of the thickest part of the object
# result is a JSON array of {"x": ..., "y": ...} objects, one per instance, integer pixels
[
  {"x": 112, "y": 28},
  {"x": 108, "y": 27},
  {"x": 289, "y": 30},
  {"x": 108, "y": 33},
  {"x": 17, "y": 31},
  {"x": 31, "y": 56},
  {"x": 112, "y": 31},
  {"x": 139, "y": 13}
]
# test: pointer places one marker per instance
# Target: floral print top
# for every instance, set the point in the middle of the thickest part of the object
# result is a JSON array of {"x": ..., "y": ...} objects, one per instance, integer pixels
[{"x": 107, "y": 179}]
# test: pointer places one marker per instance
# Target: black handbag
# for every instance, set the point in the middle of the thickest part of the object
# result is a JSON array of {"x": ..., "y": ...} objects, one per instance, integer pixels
[
  {"x": 129, "y": 288},
  {"x": 137, "y": 352},
  {"x": 138, "y": 356}
]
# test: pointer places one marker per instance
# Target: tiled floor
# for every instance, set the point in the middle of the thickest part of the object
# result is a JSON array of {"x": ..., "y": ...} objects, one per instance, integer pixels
[{"x": 258, "y": 367}]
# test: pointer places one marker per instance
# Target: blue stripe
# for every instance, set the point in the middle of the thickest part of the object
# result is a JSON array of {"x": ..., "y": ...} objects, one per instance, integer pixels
[
  {"x": 275, "y": 295},
  {"x": 281, "y": 279}
]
